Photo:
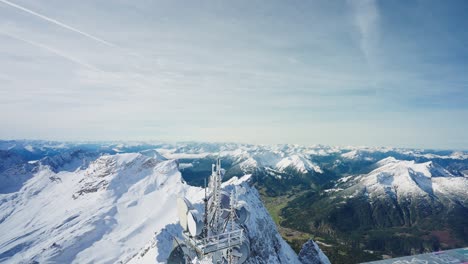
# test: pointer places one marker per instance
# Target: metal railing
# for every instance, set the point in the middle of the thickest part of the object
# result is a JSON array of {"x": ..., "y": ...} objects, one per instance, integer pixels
[{"x": 218, "y": 242}]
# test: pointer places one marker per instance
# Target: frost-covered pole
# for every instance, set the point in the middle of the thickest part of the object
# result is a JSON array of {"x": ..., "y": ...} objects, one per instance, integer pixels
[
  {"x": 217, "y": 197},
  {"x": 232, "y": 211},
  {"x": 205, "y": 215}
]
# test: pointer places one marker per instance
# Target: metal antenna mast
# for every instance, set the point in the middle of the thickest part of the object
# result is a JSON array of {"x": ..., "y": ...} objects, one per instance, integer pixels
[
  {"x": 214, "y": 234},
  {"x": 205, "y": 218}
]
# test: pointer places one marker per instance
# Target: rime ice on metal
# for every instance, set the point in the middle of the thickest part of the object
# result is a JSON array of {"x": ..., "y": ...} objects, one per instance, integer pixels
[{"x": 217, "y": 234}]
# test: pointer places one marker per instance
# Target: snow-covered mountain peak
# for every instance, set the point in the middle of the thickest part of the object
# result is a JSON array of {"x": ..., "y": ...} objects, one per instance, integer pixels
[
  {"x": 266, "y": 245},
  {"x": 403, "y": 178},
  {"x": 68, "y": 160},
  {"x": 298, "y": 163},
  {"x": 153, "y": 153},
  {"x": 358, "y": 154},
  {"x": 120, "y": 208},
  {"x": 268, "y": 157},
  {"x": 459, "y": 155},
  {"x": 428, "y": 169},
  {"x": 103, "y": 213},
  {"x": 237, "y": 155},
  {"x": 249, "y": 164},
  {"x": 387, "y": 160}
]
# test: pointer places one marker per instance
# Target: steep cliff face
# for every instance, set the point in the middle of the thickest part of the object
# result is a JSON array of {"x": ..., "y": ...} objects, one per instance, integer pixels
[
  {"x": 312, "y": 254},
  {"x": 103, "y": 213},
  {"x": 266, "y": 245}
]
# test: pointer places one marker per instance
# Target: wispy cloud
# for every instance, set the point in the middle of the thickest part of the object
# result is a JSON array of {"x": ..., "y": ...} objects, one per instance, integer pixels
[
  {"x": 366, "y": 19},
  {"x": 53, "y": 50},
  {"x": 58, "y": 23}
]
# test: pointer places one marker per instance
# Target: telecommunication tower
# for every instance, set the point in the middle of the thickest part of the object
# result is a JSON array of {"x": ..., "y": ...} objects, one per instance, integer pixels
[{"x": 215, "y": 235}]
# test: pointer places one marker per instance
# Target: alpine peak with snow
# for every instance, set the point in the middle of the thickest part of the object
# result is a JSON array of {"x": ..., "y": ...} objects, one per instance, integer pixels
[
  {"x": 114, "y": 203},
  {"x": 146, "y": 202}
]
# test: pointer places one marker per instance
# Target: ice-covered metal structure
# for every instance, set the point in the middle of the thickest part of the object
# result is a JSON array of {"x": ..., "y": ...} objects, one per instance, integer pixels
[{"x": 217, "y": 234}]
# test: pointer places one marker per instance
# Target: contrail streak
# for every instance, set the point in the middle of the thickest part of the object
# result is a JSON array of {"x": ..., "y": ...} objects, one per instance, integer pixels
[
  {"x": 61, "y": 54},
  {"x": 58, "y": 23},
  {"x": 55, "y": 51}
]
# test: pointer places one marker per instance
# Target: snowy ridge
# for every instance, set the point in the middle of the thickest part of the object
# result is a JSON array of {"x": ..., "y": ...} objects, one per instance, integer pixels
[
  {"x": 359, "y": 154},
  {"x": 261, "y": 227},
  {"x": 117, "y": 208},
  {"x": 242, "y": 151},
  {"x": 407, "y": 178},
  {"x": 267, "y": 246},
  {"x": 152, "y": 153},
  {"x": 298, "y": 163},
  {"x": 248, "y": 164},
  {"x": 102, "y": 214}
]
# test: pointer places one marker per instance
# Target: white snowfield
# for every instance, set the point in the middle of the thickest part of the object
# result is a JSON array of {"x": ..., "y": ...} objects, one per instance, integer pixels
[
  {"x": 118, "y": 209},
  {"x": 403, "y": 179}
]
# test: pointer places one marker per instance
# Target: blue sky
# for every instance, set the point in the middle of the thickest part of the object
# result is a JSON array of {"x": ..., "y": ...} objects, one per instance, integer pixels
[{"x": 376, "y": 73}]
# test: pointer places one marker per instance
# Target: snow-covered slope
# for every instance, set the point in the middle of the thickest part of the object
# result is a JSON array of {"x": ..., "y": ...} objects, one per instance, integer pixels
[
  {"x": 104, "y": 213},
  {"x": 266, "y": 244},
  {"x": 298, "y": 163},
  {"x": 116, "y": 209},
  {"x": 248, "y": 165},
  {"x": 400, "y": 178}
]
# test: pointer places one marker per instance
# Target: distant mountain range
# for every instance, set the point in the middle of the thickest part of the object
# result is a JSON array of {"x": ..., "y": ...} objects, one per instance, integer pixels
[{"x": 358, "y": 203}]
